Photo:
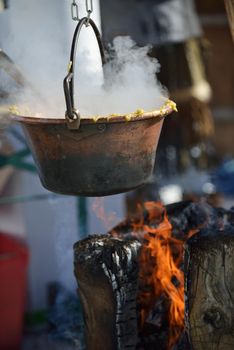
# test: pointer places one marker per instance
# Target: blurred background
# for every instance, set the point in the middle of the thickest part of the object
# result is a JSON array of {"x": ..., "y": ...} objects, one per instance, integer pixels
[{"x": 195, "y": 158}]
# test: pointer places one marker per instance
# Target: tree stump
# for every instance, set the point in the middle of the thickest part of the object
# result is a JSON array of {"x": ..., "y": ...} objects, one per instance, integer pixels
[
  {"x": 209, "y": 289},
  {"x": 106, "y": 270}
]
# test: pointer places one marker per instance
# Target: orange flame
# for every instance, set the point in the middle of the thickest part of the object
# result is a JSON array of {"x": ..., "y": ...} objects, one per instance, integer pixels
[
  {"x": 161, "y": 276},
  {"x": 160, "y": 261}
]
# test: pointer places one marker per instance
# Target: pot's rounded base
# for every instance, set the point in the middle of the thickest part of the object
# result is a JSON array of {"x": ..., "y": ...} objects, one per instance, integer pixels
[{"x": 82, "y": 193}]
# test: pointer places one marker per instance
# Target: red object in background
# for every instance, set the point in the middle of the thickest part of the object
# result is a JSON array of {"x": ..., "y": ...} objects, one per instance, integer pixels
[{"x": 13, "y": 268}]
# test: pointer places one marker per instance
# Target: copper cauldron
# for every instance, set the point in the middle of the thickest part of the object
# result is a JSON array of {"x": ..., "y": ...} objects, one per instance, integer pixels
[
  {"x": 93, "y": 156},
  {"x": 102, "y": 157}
]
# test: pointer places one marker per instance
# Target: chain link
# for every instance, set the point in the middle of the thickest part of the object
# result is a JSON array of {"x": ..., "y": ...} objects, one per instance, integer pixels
[
  {"x": 75, "y": 10},
  {"x": 89, "y": 9},
  {"x": 89, "y": 6}
]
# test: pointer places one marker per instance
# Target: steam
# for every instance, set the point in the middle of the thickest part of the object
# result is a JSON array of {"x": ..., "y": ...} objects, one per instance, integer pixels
[
  {"x": 32, "y": 35},
  {"x": 130, "y": 84}
]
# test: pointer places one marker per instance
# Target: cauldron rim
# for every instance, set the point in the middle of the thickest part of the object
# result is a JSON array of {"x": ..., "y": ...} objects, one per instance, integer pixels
[{"x": 166, "y": 109}]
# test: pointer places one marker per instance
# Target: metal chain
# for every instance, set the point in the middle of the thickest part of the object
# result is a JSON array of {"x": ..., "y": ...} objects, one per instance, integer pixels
[
  {"x": 75, "y": 10},
  {"x": 89, "y": 9}
]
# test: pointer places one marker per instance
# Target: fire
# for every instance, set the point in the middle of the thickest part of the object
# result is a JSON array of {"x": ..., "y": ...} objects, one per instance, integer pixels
[
  {"x": 161, "y": 276},
  {"x": 160, "y": 269}
]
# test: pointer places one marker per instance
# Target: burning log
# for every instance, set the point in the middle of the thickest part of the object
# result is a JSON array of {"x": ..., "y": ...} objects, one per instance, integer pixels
[
  {"x": 106, "y": 270},
  {"x": 209, "y": 289},
  {"x": 158, "y": 299},
  {"x": 131, "y": 281}
]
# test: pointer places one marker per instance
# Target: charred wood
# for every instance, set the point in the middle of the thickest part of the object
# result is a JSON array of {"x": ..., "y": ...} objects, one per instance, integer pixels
[
  {"x": 209, "y": 289},
  {"x": 184, "y": 217},
  {"x": 106, "y": 270}
]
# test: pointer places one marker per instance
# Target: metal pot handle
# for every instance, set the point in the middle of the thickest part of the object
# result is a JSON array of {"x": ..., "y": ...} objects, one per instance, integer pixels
[{"x": 72, "y": 114}]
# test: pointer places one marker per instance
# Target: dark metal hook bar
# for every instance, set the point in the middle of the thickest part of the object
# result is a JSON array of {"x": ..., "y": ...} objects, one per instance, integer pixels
[{"x": 72, "y": 114}]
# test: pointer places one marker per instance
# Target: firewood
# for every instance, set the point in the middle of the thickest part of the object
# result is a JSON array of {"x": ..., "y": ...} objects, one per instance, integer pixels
[
  {"x": 209, "y": 289},
  {"x": 106, "y": 270}
]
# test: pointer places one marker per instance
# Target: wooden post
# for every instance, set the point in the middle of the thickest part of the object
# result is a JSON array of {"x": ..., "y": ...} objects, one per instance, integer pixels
[
  {"x": 209, "y": 289},
  {"x": 106, "y": 270}
]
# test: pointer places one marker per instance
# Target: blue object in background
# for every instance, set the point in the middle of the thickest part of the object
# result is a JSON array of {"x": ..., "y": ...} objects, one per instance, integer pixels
[{"x": 223, "y": 177}]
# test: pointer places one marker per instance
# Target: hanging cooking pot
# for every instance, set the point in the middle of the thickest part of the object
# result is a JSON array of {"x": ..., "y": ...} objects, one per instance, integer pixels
[{"x": 93, "y": 156}]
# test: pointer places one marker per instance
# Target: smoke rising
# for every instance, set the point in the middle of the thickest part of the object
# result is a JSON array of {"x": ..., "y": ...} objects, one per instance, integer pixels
[
  {"x": 130, "y": 82},
  {"x": 107, "y": 217},
  {"x": 32, "y": 35}
]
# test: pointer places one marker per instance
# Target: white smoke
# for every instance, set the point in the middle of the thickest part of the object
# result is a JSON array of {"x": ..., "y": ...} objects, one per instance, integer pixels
[
  {"x": 32, "y": 41},
  {"x": 130, "y": 83}
]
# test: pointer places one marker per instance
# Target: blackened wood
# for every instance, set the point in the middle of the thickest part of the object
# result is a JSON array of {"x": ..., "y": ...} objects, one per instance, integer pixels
[
  {"x": 184, "y": 216},
  {"x": 209, "y": 289},
  {"x": 106, "y": 270}
]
